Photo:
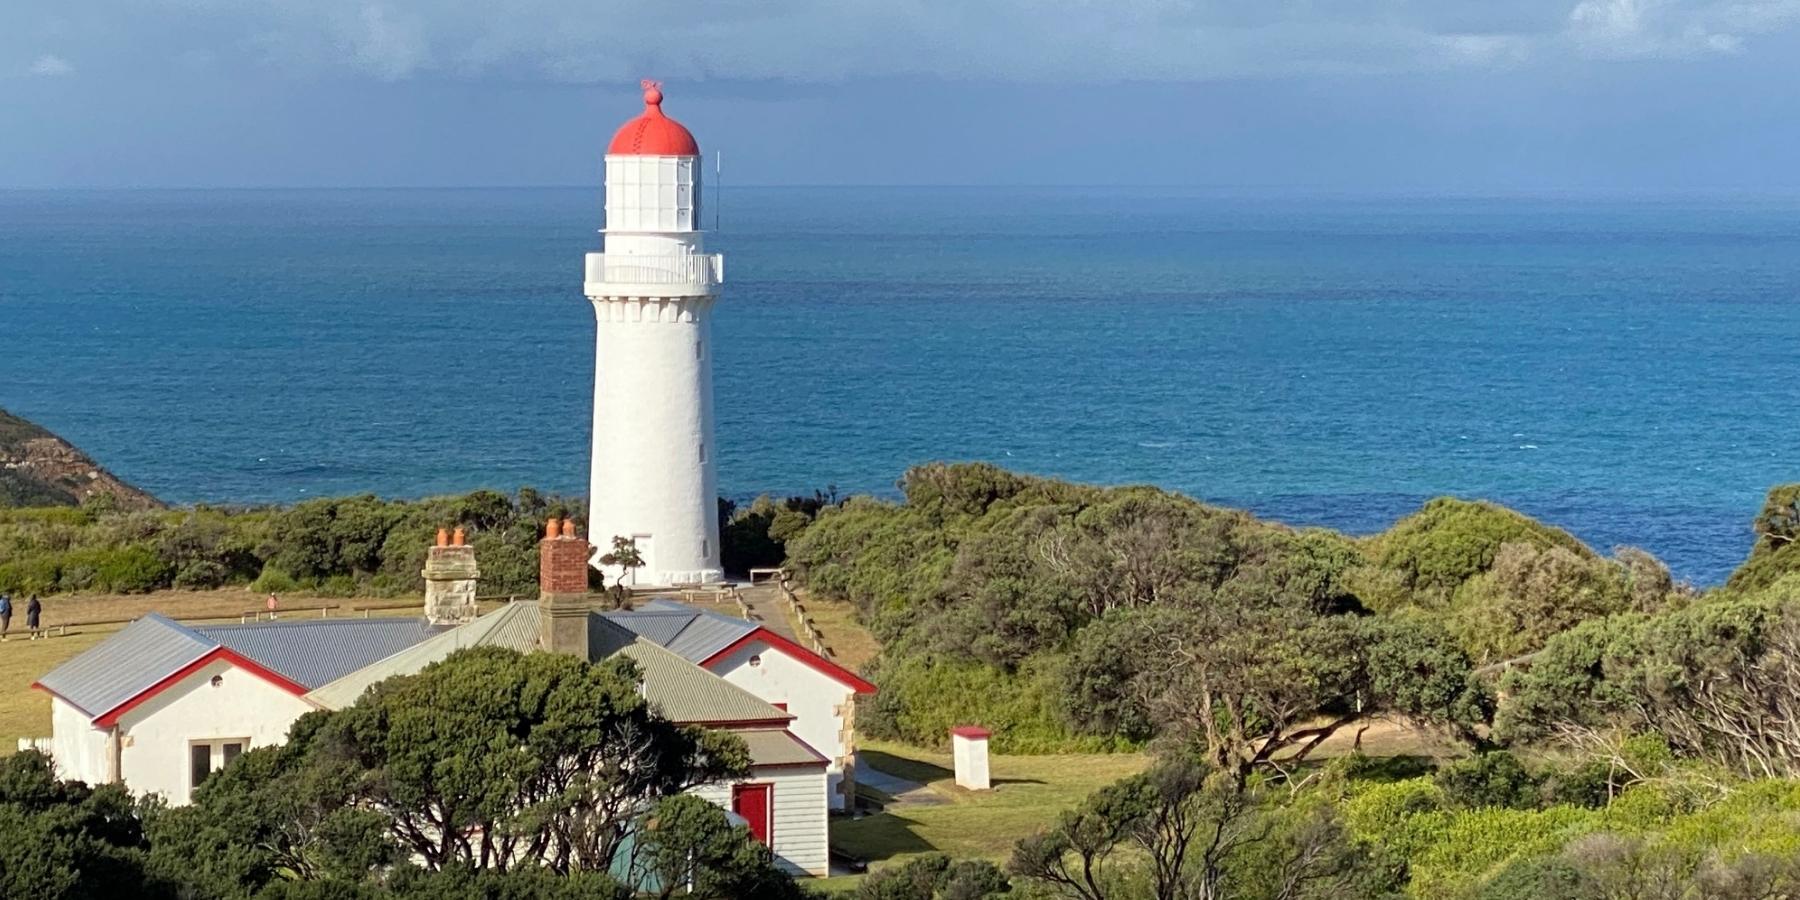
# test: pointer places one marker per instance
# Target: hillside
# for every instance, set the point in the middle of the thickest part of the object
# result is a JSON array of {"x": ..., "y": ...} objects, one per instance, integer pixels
[{"x": 38, "y": 468}]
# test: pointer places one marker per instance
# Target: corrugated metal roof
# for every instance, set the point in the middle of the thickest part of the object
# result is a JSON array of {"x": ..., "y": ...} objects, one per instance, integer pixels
[
  {"x": 770, "y": 747},
  {"x": 696, "y": 634},
  {"x": 513, "y": 626},
  {"x": 315, "y": 652},
  {"x": 684, "y": 692},
  {"x": 122, "y": 666}
]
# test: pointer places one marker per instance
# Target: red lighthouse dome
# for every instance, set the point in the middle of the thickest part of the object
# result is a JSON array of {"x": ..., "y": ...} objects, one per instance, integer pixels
[{"x": 653, "y": 134}]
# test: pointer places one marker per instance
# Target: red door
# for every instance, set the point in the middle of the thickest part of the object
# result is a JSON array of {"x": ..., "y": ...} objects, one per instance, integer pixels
[{"x": 752, "y": 802}]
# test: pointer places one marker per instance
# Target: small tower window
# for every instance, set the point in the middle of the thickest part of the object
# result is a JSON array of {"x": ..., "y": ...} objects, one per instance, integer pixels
[
  {"x": 703, "y": 451},
  {"x": 699, "y": 349}
]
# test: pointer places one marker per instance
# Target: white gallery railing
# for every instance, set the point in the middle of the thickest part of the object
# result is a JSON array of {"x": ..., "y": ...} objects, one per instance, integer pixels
[{"x": 693, "y": 271}]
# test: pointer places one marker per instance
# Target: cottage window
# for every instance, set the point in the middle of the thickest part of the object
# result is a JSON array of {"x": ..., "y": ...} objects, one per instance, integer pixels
[{"x": 207, "y": 757}]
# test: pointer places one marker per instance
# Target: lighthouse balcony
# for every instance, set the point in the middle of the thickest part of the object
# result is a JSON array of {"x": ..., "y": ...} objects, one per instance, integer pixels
[{"x": 673, "y": 275}]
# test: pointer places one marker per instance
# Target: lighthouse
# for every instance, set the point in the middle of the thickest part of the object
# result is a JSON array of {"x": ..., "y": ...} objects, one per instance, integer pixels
[{"x": 653, "y": 478}]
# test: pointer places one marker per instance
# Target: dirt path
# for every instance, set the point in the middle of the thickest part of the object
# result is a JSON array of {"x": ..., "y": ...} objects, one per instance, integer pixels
[
  {"x": 903, "y": 791},
  {"x": 767, "y": 609}
]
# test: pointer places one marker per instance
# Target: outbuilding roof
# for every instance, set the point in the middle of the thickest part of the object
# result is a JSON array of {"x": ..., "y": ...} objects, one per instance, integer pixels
[
  {"x": 696, "y": 634},
  {"x": 703, "y": 636},
  {"x": 776, "y": 747}
]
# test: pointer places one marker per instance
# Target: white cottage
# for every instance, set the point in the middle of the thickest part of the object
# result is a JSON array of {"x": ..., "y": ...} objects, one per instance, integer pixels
[
  {"x": 161, "y": 705},
  {"x": 819, "y": 693}
]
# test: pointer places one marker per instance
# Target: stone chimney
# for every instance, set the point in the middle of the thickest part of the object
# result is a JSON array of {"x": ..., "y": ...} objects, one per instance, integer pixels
[
  {"x": 450, "y": 579},
  {"x": 563, "y": 589}
]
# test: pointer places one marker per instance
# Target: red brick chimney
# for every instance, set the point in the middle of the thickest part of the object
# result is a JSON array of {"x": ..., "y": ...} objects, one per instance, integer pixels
[
  {"x": 562, "y": 589},
  {"x": 562, "y": 560}
]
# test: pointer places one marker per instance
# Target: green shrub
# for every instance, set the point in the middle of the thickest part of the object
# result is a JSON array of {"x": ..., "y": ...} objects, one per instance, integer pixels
[
  {"x": 922, "y": 699},
  {"x": 274, "y": 581},
  {"x": 338, "y": 586},
  {"x": 1433, "y": 551},
  {"x": 1535, "y": 878},
  {"x": 31, "y": 575},
  {"x": 935, "y": 876},
  {"x": 1489, "y": 779},
  {"x": 125, "y": 570}
]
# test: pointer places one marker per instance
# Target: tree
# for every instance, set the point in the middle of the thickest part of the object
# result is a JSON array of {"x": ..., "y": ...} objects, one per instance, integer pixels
[
  {"x": 1449, "y": 541},
  {"x": 1186, "y": 831},
  {"x": 492, "y": 757},
  {"x": 685, "y": 846},
  {"x": 1717, "y": 681},
  {"x": 276, "y": 813},
  {"x": 1252, "y": 685},
  {"x": 625, "y": 555},
  {"x": 62, "y": 840}
]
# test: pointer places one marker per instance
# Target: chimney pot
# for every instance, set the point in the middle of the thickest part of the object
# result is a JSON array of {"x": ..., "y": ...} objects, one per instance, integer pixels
[
  {"x": 443, "y": 538},
  {"x": 458, "y": 538},
  {"x": 552, "y": 528},
  {"x": 568, "y": 530}
]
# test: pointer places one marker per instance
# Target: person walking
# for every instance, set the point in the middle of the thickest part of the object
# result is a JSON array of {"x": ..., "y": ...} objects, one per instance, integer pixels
[
  {"x": 33, "y": 611},
  {"x": 272, "y": 604},
  {"x": 5, "y": 615}
]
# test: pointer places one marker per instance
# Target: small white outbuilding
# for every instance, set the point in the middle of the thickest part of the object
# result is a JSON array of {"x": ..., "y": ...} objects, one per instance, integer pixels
[{"x": 969, "y": 747}]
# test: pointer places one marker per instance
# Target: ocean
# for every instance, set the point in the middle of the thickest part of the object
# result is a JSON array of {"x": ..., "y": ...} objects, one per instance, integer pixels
[{"x": 1623, "y": 369}]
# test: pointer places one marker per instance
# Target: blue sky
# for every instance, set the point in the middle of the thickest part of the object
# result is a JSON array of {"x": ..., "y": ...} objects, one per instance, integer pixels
[{"x": 1353, "y": 96}]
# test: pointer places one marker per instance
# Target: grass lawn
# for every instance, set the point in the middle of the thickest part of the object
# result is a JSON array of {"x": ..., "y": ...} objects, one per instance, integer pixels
[
  {"x": 25, "y": 712},
  {"x": 846, "y": 637},
  {"x": 1028, "y": 793}
]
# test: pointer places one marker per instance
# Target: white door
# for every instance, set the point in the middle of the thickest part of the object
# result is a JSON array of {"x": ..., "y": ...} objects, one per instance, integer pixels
[{"x": 645, "y": 553}]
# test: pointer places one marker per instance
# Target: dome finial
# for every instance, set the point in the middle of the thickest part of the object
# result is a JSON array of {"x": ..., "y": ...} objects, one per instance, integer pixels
[{"x": 652, "y": 95}]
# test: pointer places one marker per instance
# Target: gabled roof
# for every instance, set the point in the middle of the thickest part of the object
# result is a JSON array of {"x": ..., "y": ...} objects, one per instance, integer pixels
[
  {"x": 697, "y": 634},
  {"x": 313, "y": 652},
  {"x": 154, "y": 652},
  {"x": 679, "y": 688},
  {"x": 116, "y": 669},
  {"x": 513, "y": 626},
  {"x": 683, "y": 691},
  {"x": 703, "y": 636}
]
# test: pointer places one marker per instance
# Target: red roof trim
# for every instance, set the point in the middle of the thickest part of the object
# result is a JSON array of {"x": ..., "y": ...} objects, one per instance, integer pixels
[
  {"x": 839, "y": 673},
  {"x": 112, "y": 716},
  {"x": 971, "y": 731}
]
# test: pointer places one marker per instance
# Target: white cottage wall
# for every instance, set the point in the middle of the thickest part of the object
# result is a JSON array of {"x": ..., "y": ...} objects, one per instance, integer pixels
[
  {"x": 815, "y": 699},
  {"x": 156, "y": 734},
  {"x": 77, "y": 746},
  {"x": 799, "y": 826}
]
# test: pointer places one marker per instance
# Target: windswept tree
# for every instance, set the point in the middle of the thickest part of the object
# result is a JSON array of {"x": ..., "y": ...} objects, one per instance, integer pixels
[
  {"x": 626, "y": 555},
  {"x": 1186, "y": 831},
  {"x": 1718, "y": 681},
  {"x": 1251, "y": 684}
]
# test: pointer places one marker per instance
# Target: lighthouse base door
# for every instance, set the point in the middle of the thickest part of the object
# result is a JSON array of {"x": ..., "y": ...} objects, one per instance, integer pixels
[
  {"x": 752, "y": 802},
  {"x": 647, "y": 553}
]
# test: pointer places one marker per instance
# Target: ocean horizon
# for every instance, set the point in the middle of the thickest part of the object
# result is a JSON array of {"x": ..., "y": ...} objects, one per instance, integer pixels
[{"x": 1616, "y": 367}]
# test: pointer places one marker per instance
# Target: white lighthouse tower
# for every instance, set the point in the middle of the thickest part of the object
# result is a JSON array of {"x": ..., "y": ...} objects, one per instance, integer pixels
[{"x": 653, "y": 286}]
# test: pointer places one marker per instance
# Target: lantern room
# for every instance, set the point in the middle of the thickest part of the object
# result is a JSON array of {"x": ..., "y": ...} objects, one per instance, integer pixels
[{"x": 653, "y": 173}]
